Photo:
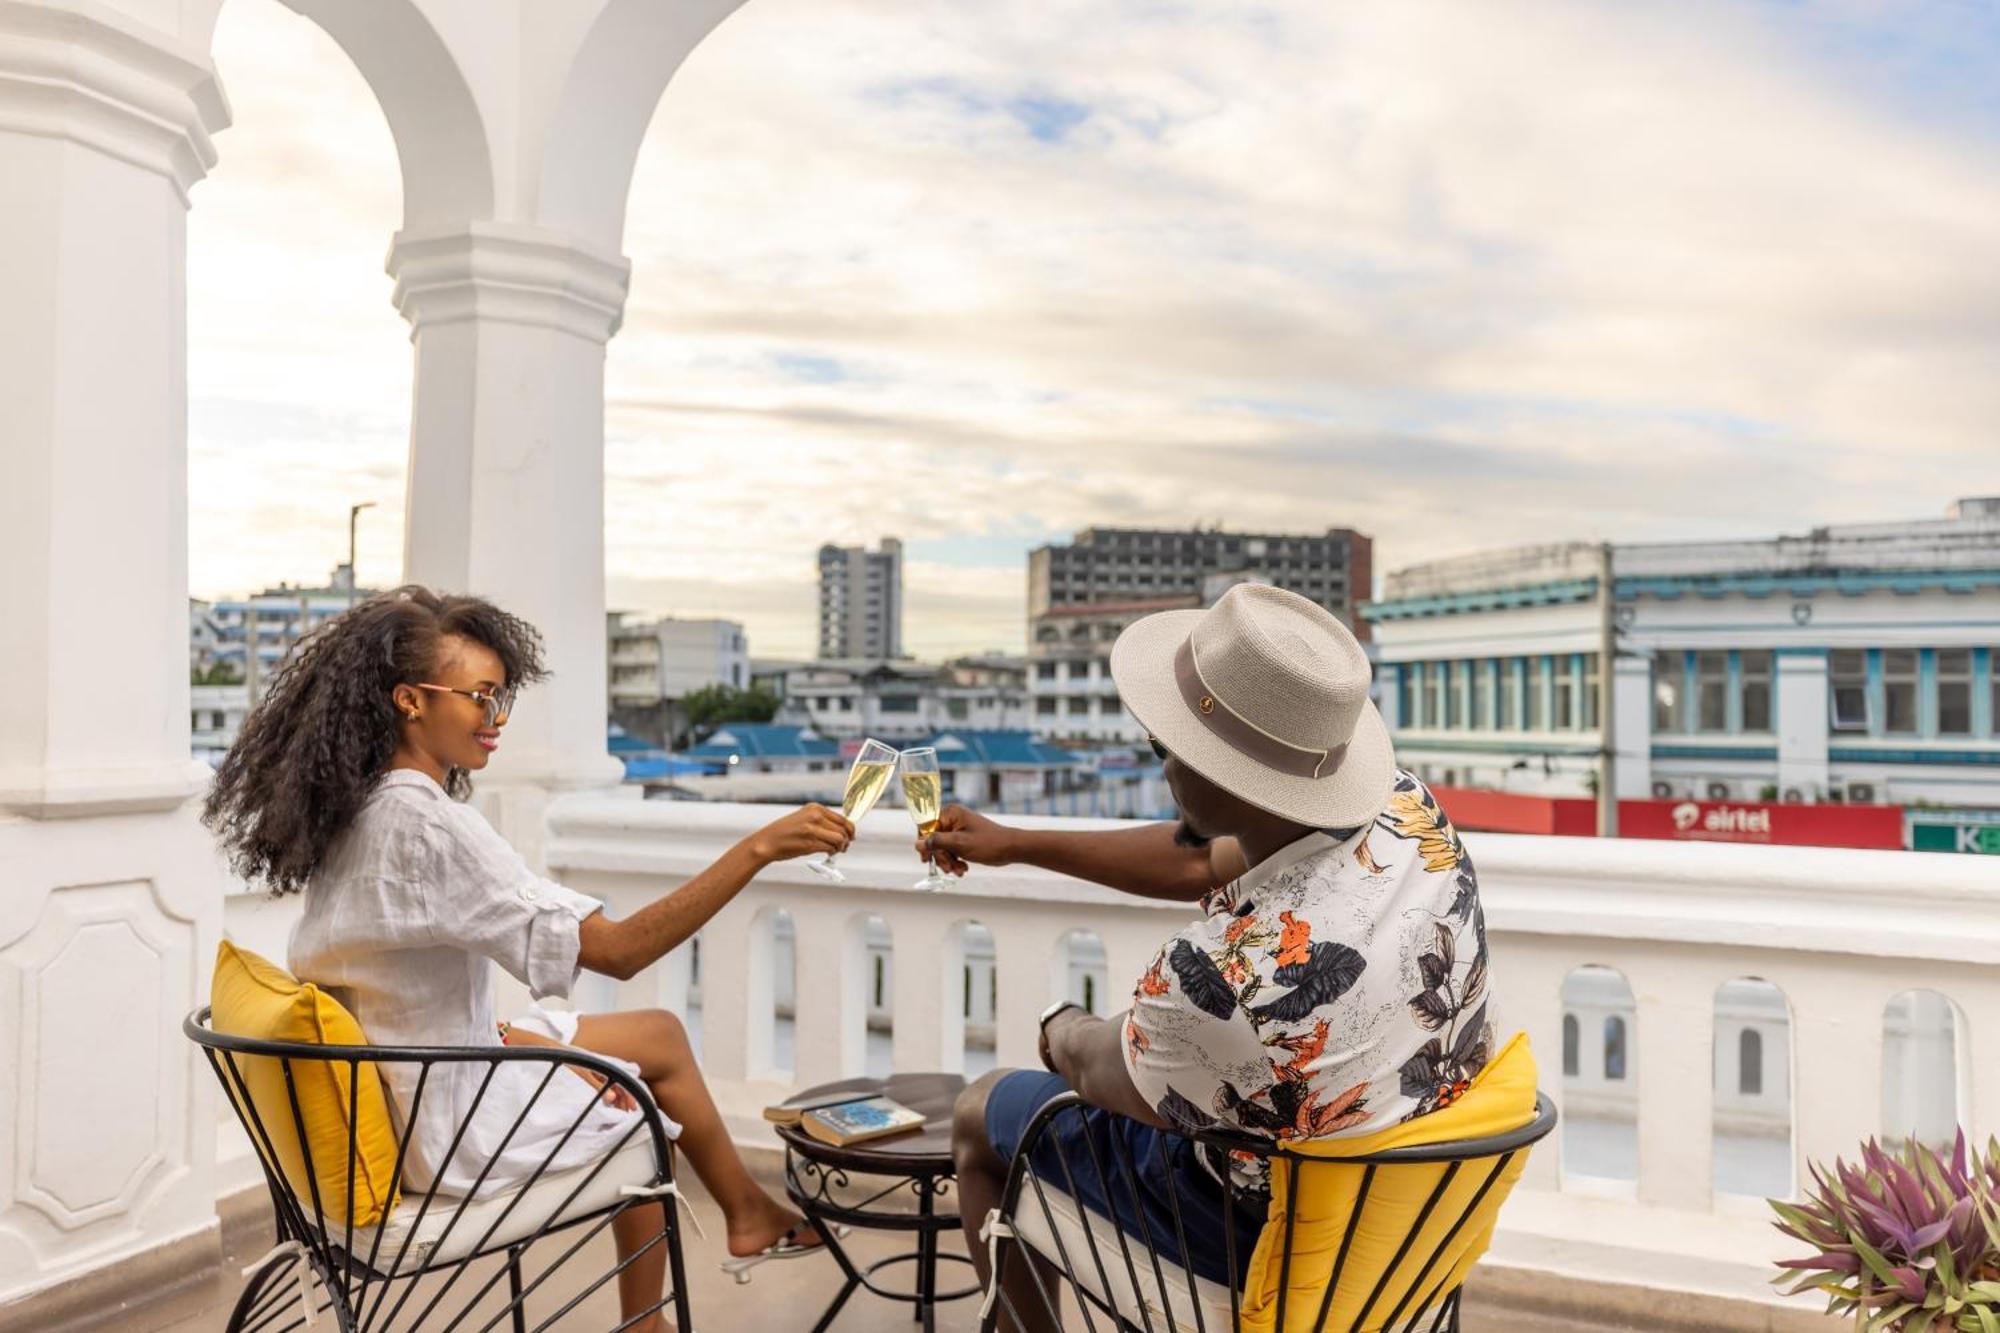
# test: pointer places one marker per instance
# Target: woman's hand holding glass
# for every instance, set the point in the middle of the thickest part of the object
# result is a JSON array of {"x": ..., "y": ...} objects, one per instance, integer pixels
[{"x": 808, "y": 830}]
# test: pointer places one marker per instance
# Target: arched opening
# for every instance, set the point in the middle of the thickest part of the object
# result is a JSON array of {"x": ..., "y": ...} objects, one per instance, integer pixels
[
  {"x": 877, "y": 979},
  {"x": 1085, "y": 972},
  {"x": 1923, "y": 1081},
  {"x": 771, "y": 982},
  {"x": 1600, "y": 1122},
  {"x": 298, "y": 366},
  {"x": 978, "y": 996},
  {"x": 1753, "y": 1095}
]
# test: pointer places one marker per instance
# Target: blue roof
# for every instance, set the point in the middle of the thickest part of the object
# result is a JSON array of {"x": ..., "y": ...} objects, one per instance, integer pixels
[
  {"x": 966, "y": 746},
  {"x": 620, "y": 741},
  {"x": 764, "y": 740},
  {"x": 640, "y": 767}
]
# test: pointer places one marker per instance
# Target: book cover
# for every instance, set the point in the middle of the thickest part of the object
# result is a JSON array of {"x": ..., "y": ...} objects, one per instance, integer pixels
[
  {"x": 858, "y": 1122},
  {"x": 789, "y": 1113}
]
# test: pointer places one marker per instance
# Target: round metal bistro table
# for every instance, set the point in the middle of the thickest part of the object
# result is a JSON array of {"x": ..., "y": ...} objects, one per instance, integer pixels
[{"x": 891, "y": 1184}]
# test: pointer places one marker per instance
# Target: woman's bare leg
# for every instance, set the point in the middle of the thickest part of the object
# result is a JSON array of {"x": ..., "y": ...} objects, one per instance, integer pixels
[
  {"x": 654, "y": 1040},
  {"x": 644, "y": 1281}
]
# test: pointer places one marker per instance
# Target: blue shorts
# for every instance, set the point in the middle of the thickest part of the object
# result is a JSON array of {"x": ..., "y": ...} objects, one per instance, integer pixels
[{"x": 1157, "y": 1157}]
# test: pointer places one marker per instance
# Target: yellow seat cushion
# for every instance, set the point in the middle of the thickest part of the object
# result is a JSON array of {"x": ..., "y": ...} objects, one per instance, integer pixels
[
  {"x": 255, "y": 998},
  {"x": 1501, "y": 1098}
]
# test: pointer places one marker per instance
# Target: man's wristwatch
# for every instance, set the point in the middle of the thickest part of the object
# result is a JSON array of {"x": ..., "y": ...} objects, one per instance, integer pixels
[{"x": 1043, "y": 1027}]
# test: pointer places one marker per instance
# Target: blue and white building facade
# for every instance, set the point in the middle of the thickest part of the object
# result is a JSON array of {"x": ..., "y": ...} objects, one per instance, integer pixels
[{"x": 1851, "y": 664}]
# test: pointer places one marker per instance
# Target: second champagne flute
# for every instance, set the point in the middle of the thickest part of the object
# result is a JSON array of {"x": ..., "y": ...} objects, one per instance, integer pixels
[
  {"x": 923, "y": 793},
  {"x": 866, "y": 782}
]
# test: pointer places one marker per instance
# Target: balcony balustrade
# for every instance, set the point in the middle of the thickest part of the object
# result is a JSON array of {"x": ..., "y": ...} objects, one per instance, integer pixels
[{"x": 1650, "y": 1184}]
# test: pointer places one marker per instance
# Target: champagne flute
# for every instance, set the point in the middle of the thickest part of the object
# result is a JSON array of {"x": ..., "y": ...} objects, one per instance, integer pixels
[
  {"x": 923, "y": 793},
  {"x": 866, "y": 782}
]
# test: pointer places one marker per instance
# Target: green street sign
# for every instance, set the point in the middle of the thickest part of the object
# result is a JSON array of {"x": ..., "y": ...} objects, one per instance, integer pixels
[{"x": 1983, "y": 839}]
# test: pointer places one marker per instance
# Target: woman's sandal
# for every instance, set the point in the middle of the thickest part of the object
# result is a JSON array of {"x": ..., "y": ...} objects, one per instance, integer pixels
[{"x": 785, "y": 1247}]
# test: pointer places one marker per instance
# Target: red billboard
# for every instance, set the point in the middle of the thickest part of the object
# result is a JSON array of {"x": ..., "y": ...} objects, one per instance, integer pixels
[{"x": 1879, "y": 826}]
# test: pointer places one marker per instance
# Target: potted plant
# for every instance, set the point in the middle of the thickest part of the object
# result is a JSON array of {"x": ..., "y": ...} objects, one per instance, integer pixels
[{"x": 1905, "y": 1241}]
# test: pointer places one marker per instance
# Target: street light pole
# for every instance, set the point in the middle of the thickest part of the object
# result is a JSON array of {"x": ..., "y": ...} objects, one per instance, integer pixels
[
  {"x": 1607, "y": 695},
  {"x": 353, "y": 512}
]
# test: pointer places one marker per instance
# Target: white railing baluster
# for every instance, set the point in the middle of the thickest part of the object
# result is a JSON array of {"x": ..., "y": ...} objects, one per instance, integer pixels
[{"x": 1674, "y": 1041}]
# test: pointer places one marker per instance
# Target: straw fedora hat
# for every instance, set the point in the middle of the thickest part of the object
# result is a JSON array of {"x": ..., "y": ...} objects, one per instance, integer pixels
[{"x": 1265, "y": 694}]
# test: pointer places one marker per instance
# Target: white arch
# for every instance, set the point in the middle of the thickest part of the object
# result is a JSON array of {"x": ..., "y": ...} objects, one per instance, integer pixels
[{"x": 614, "y": 84}]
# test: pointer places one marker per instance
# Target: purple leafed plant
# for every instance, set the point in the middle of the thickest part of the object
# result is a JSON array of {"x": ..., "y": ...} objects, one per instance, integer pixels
[{"x": 1905, "y": 1241}]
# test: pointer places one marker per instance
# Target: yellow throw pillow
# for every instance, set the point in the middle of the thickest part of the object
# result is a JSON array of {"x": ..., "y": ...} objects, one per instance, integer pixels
[
  {"x": 1501, "y": 1098},
  {"x": 255, "y": 998}
]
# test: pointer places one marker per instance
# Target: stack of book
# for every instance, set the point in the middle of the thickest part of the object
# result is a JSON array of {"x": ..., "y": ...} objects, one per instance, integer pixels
[{"x": 841, "y": 1119}]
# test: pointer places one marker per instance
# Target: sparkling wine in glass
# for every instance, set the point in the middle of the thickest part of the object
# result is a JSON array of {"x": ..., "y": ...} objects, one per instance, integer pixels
[
  {"x": 866, "y": 782},
  {"x": 923, "y": 794}
]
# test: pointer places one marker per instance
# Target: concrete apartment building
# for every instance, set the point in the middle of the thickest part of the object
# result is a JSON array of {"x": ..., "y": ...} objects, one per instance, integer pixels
[
  {"x": 904, "y": 701},
  {"x": 1852, "y": 663},
  {"x": 652, "y": 661},
  {"x": 861, "y": 601},
  {"x": 1083, "y": 594}
]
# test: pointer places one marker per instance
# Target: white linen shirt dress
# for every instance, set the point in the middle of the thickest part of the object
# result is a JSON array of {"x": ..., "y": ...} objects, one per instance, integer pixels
[{"x": 414, "y": 903}]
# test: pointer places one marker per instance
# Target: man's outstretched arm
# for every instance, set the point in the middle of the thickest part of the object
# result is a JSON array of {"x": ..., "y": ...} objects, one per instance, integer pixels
[{"x": 1143, "y": 861}]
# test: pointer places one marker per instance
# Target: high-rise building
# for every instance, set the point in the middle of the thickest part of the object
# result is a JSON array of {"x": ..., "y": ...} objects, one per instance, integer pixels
[
  {"x": 861, "y": 600},
  {"x": 652, "y": 661},
  {"x": 1081, "y": 597}
]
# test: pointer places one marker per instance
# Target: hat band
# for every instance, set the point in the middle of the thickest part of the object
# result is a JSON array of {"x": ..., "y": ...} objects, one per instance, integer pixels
[{"x": 1241, "y": 734}]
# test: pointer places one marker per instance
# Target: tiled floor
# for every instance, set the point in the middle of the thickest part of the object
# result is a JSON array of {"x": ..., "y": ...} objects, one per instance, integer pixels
[{"x": 784, "y": 1298}]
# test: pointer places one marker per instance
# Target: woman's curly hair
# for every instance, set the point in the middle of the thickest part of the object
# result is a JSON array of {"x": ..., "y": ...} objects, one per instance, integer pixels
[{"x": 326, "y": 727}]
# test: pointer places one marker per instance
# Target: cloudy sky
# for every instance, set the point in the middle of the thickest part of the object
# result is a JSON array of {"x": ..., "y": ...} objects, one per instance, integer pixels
[{"x": 1455, "y": 274}]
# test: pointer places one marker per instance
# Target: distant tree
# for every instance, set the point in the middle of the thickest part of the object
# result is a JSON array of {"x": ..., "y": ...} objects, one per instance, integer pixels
[
  {"x": 711, "y": 706},
  {"x": 218, "y": 673}
]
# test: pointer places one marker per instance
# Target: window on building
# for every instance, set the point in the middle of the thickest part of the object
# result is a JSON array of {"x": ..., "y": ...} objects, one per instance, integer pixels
[
  {"x": 1450, "y": 674},
  {"x": 899, "y": 703},
  {"x": 1537, "y": 676},
  {"x": 1510, "y": 694},
  {"x": 1614, "y": 1049},
  {"x": 1078, "y": 707},
  {"x": 956, "y": 709},
  {"x": 1433, "y": 694},
  {"x": 1750, "y": 1063},
  {"x": 1589, "y": 700},
  {"x": 1406, "y": 695},
  {"x": 1954, "y": 691},
  {"x": 1562, "y": 707},
  {"x": 1045, "y": 707},
  {"x": 1046, "y": 670},
  {"x": 1711, "y": 691},
  {"x": 1570, "y": 1044},
  {"x": 1110, "y": 704},
  {"x": 1755, "y": 667},
  {"x": 1480, "y": 675},
  {"x": 1847, "y": 688},
  {"x": 1899, "y": 691},
  {"x": 846, "y": 704}
]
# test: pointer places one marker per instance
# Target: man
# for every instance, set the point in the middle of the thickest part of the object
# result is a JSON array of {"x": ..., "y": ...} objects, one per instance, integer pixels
[{"x": 1337, "y": 981}]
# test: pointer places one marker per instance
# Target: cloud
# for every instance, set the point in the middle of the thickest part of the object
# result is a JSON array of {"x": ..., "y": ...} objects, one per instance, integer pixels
[{"x": 1453, "y": 274}]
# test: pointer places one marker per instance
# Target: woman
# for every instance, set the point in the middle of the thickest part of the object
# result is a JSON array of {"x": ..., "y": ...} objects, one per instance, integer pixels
[{"x": 348, "y": 784}]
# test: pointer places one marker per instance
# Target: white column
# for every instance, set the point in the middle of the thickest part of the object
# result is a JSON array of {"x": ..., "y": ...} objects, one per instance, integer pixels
[
  {"x": 506, "y": 480},
  {"x": 1675, "y": 1024},
  {"x": 1802, "y": 722},
  {"x": 1632, "y": 697},
  {"x": 112, "y": 901}
]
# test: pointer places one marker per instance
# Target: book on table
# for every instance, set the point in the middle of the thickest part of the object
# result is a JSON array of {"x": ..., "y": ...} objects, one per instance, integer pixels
[
  {"x": 848, "y": 1123},
  {"x": 788, "y": 1113}
]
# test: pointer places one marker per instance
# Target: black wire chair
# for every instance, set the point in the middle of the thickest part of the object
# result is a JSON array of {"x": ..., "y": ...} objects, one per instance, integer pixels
[
  {"x": 1123, "y": 1281},
  {"x": 442, "y": 1238}
]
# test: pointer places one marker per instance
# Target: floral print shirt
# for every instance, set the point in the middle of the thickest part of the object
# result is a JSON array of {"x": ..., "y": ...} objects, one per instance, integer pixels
[{"x": 1337, "y": 988}]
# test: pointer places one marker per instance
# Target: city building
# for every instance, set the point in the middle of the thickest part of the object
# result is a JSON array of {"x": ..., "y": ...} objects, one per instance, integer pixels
[
  {"x": 1083, "y": 594},
  {"x": 861, "y": 600},
  {"x": 230, "y": 679},
  {"x": 654, "y": 661},
  {"x": 899, "y": 701},
  {"x": 1850, "y": 663},
  {"x": 1002, "y": 769}
]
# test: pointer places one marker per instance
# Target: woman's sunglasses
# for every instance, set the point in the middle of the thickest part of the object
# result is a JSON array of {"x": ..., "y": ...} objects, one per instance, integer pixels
[{"x": 499, "y": 704}]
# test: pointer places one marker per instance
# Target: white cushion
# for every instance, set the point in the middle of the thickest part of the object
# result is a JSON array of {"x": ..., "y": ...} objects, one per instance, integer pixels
[
  {"x": 541, "y": 1204},
  {"x": 1031, "y": 1225}
]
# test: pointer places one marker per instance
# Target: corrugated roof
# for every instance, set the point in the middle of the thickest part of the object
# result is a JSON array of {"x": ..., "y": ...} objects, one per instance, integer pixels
[
  {"x": 997, "y": 748},
  {"x": 764, "y": 740}
]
